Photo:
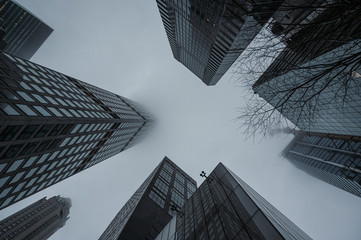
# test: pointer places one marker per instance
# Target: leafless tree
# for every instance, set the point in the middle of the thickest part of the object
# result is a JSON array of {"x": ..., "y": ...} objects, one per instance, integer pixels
[{"x": 321, "y": 52}]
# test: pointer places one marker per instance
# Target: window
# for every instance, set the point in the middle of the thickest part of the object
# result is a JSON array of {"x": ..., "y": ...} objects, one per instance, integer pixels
[
  {"x": 26, "y": 110},
  {"x": 30, "y": 161},
  {"x": 40, "y": 99},
  {"x": 43, "y": 158},
  {"x": 12, "y": 151},
  {"x": 3, "y": 181},
  {"x": 42, "y": 169},
  {"x": 18, "y": 187},
  {"x": 32, "y": 181},
  {"x": 8, "y": 109},
  {"x": 55, "y": 131},
  {"x": 17, "y": 177},
  {"x": 42, "y": 111},
  {"x": 8, "y": 94},
  {"x": 157, "y": 199},
  {"x": 31, "y": 173},
  {"x": 5, "y": 192},
  {"x": 44, "y": 130},
  {"x": 28, "y": 132},
  {"x": 9, "y": 132},
  {"x": 56, "y": 112},
  {"x": 28, "y": 148},
  {"x": 25, "y": 96}
]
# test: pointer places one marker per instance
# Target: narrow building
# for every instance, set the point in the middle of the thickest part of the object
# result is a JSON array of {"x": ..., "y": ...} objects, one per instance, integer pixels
[
  {"x": 38, "y": 221},
  {"x": 21, "y": 32}
]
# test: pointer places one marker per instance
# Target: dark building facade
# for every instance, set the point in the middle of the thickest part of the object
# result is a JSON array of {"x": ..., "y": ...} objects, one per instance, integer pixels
[
  {"x": 335, "y": 159},
  {"x": 38, "y": 221},
  {"x": 208, "y": 36},
  {"x": 53, "y": 126},
  {"x": 149, "y": 210},
  {"x": 22, "y": 33},
  {"x": 225, "y": 207}
]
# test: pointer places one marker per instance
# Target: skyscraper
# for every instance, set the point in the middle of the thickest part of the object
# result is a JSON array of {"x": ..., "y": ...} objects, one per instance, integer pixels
[
  {"x": 225, "y": 207},
  {"x": 314, "y": 81},
  {"x": 38, "y": 221},
  {"x": 208, "y": 36},
  {"x": 150, "y": 208},
  {"x": 22, "y": 32},
  {"x": 321, "y": 95},
  {"x": 335, "y": 159},
  {"x": 53, "y": 126}
]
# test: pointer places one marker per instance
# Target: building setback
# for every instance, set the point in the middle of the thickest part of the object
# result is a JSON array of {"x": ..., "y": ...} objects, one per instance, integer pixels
[
  {"x": 225, "y": 207},
  {"x": 53, "y": 126},
  {"x": 208, "y": 36},
  {"x": 22, "y": 33},
  {"x": 149, "y": 210},
  {"x": 335, "y": 159},
  {"x": 38, "y": 221}
]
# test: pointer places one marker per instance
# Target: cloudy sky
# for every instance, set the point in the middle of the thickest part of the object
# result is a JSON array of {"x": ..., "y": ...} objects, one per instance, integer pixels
[{"x": 121, "y": 46}]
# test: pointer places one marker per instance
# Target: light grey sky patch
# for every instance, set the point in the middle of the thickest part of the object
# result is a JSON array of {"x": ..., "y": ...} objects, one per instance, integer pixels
[{"x": 121, "y": 46}]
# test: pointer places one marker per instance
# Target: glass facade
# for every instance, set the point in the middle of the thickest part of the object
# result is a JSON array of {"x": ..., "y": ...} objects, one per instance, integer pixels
[
  {"x": 208, "y": 36},
  {"x": 321, "y": 95},
  {"x": 150, "y": 207},
  {"x": 227, "y": 208},
  {"x": 22, "y": 32},
  {"x": 53, "y": 126},
  {"x": 334, "y": 159},
  {"x": 38, "y": 221}
]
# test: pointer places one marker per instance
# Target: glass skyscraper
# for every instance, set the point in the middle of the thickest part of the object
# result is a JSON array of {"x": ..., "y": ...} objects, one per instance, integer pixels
[
  {"x": 150, "y": 208},
  {"x": 322, "y": 95},
  {"x": 38, "y": 221},
  {"x": 335, "y": 159},
  {"x": 53, "y": 126},
  {"x": 225, "y": 207},
  {"x": 22, "y": 33},
  {"x": 208, "y": 36}
]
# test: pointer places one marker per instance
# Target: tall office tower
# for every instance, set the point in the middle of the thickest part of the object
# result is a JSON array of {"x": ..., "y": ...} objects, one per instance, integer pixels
[
  {"x": 335, "y": 159},
  {"x": 314, "y": 82},
  {"x": 225, "y": 207},
  {"x": 22, "y": 32},
  {"x": 208, "y": 36},
  {"x": 310, "y": 29},
  {"x": 149, "y": 210},
  {"x": 53, "y": 126},
  {"x": 321, "y": 95},
  {"x": 38, "y": 221}
]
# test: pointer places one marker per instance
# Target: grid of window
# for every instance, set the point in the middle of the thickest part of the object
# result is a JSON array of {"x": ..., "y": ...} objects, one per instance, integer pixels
[
  {"x": 334, "y": 160},
  {"x": 206, "y": 36},
  {"x": 92, "y": 125}
]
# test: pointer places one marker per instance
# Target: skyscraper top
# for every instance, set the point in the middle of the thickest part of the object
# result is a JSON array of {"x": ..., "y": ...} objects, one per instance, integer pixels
[
  {"x": 152, "y": 206},
  {"x": 53, "y": 126},
  {"x": 208, "y": 36},
  {"x": 22, "y": 32},
  {"x": 39, "y": 220}
]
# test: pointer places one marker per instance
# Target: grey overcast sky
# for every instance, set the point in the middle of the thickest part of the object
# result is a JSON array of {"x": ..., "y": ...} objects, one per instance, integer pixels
[{"x": 121, "y": 46}]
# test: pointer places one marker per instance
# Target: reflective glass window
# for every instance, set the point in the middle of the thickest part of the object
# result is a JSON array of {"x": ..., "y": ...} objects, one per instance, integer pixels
[
  {"x": 26, "y": 110},
  {"x": 8, "y": 109}
]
